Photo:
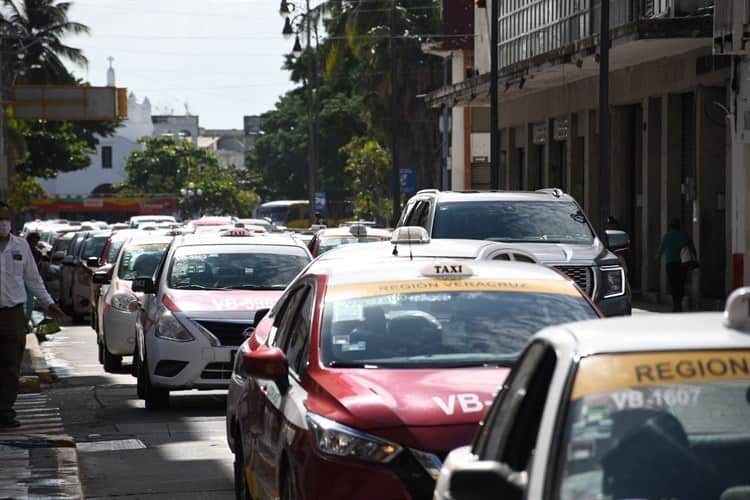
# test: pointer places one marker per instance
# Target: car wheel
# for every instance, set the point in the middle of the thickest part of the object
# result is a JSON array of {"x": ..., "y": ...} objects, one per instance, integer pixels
[
  {"x": 241, "y": 489},
  {"x": 157, "y": 398},
  {"x": 78, "y": 318},
  {"x": 288, "y": 485},
  {"x": 112, "y": 363}
]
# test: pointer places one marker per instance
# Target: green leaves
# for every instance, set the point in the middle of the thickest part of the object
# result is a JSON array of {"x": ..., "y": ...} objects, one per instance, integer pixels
[
  {"x": 168, "y": 167},
  {"x": 369, "y": 165},
  {"x": 23, "y": 191}
]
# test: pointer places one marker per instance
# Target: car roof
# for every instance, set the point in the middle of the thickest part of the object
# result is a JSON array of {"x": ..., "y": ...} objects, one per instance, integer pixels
[
  {"x": 365, "y": 270},
  {"x": 347, "y": 231},
  {"x": 438, "y": 248},
  {"x": 647, "y": 333},
  {"x": 145, "y": 238},
  {"x": 468, "y": 196},
  {"x": 212, "y": 238}
]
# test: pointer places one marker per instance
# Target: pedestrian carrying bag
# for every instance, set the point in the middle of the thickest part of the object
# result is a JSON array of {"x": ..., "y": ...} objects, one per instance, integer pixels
[{"x": 688, "y": 258}]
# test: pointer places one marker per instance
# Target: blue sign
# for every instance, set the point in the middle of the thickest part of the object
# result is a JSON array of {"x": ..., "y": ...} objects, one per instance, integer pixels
[
  {"x": 408, "y": 180},
  {"x": 320, "y": 202}
]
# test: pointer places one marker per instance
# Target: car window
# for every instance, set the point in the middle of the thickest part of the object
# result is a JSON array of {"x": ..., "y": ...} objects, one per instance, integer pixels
[
  {"x": 421, "y": 214},
  {"x": 658, "y": 425},
  {"x": 326, "y": 244},
  {"x": 93, "y": 247},
  {"x": 489, "y": 441},
  {"x": 439, "y": 324},
  {"x": 114, "y": 250},
  {"x": 140, "y": 260},
  {"x": 405, "y": 214},
  {"x": 285, "y": 319},
  {"x": 513, "y": 221},
  {"x": 69, "y": 250},
  {"x": 235, "y": 267},
  {"x": 299, "y": 335}
]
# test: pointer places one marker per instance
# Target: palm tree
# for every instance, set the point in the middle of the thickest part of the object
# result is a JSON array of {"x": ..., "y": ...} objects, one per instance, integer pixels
[{"x": 33, "y": 33}]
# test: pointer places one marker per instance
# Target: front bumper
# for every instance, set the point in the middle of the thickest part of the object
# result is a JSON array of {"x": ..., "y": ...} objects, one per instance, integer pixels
[
  {"x": 616, "y": 306},
  {"x": 188, "y": 365}
]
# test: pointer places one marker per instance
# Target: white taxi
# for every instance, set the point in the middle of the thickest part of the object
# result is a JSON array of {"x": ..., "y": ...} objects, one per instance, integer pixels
[{"x": 655, "y": 406}]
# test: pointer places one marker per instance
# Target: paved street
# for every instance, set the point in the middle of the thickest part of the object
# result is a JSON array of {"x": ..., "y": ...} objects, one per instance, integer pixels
[{"x": 125, "y": 450}]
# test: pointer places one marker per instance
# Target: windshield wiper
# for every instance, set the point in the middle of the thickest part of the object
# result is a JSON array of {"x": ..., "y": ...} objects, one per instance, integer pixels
[
  {"x": 192, "y": 287},
  {"x": 350, "y": 364}
]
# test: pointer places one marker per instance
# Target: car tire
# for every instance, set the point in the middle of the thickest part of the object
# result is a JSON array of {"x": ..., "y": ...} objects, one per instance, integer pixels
[
  {"x": 111, "y": 362},
  {"x": 157, "y": 398},
  {"x": 241, "y": 489},
  {"x": 288, "y": 490},
  {"x": 78, "y": 318}
]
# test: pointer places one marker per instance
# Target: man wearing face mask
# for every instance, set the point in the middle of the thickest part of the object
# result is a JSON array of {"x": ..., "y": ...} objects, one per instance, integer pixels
[{"x": 18, "y": 270}]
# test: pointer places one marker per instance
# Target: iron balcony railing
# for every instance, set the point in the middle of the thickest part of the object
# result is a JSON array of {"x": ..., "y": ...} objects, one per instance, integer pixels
[{"x": 530, "y": 28}]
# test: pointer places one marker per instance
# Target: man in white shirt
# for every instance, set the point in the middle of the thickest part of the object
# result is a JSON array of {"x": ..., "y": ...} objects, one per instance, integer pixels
[{"x": 18, "y": 270}]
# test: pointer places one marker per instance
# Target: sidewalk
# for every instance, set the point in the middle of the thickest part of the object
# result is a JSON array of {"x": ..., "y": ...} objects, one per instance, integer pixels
[{"x": 37, "y": 460}]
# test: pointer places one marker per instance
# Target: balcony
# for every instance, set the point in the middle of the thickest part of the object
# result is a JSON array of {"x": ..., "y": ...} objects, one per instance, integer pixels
[{"x": 539, "y": 37}]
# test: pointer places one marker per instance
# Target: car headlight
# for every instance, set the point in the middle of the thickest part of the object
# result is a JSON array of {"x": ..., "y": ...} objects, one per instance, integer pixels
[
  {"x": 167, "y": 327},
  {"x": 333, "y": 438},
  {"x": 122, "y": 301},
  {"x": 613, "y": 281}
]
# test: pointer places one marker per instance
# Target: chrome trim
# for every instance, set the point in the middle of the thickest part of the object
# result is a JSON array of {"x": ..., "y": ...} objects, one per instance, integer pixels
[{"x": 605, "y": 269}]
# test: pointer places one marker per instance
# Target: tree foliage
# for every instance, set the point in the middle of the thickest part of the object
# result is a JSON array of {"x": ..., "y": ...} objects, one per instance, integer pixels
[
  {"x": 167, "y": 167},
  {"x": 369, "y": 165},
  {"x": 23, "y": 191}
]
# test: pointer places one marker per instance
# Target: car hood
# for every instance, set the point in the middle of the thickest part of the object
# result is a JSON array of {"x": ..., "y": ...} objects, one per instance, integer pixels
[
  {"x": 563, "y": 253},
  {"x": 220, "y": 301},
  {"x": 381, "y": 398}
]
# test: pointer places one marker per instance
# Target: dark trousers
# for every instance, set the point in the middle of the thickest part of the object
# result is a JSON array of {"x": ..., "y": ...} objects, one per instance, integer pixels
[
  {"x": 676, "y": 280},
  {"x": 12, "y": 345}
]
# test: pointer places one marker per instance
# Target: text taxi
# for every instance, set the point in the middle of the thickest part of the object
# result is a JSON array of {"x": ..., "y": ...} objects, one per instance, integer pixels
[
  {"x": 365, "y": 375},
  {"x": 656, "y": 406}
]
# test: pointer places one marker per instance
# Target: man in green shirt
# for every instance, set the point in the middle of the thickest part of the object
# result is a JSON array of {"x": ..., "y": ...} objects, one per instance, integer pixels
[{"x": 670, "y": 247}]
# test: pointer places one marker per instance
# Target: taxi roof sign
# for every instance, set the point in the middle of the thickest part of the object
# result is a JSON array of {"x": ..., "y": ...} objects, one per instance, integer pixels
[
  {"x": 737, "y": 310},
  {"x": 447, "y": 270},
  {"x": 410, "y": 235}
]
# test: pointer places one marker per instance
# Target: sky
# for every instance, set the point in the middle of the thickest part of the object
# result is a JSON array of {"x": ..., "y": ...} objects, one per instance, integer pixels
[{"x": 220, "y": 58}]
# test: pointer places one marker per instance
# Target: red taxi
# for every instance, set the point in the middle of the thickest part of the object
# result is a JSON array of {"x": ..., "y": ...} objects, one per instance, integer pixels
[{"x": 359, "y": 382}]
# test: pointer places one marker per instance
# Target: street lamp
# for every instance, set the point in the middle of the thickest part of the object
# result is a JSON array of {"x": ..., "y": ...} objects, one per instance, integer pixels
[
  {"x": 191, "y": 193},
  {"x": 304, "y": 22}
]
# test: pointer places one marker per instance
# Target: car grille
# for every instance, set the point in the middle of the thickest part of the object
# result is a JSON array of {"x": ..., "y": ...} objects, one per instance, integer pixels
[
  {"x": 217, "y": 371},
  {"x": 229, "y": 334},
  {"x": 582, "y": 275}
]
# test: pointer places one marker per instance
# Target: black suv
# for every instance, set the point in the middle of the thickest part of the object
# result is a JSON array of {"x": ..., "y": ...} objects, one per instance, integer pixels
[{"x": 548, "y": 223}]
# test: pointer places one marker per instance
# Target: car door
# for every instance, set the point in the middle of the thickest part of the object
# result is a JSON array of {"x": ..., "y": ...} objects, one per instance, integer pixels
[
  {"x": 267, "y": 401},
  {"x": 509, "y": 433}
]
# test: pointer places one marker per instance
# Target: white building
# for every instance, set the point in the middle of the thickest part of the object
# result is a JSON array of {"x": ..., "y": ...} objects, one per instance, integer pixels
[
  {"x": 177, "y": 127},
  {"x": 108, "y": 162}
]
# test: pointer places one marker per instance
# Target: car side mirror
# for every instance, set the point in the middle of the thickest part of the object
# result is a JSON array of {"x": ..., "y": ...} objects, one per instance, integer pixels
[
  {"x": 93, "y": 262},
  {"x": 58, "y": 256},
  {"x": 617, "y": 240},
  {"x": 269, "y": 363},
  {"x": 143, "y": 284},
  {"x": 259, "y": 315},
  {"x": 101, "y": 278},
  {"x": 68, "y": 260},
  {"x": 485, "y": 480}
]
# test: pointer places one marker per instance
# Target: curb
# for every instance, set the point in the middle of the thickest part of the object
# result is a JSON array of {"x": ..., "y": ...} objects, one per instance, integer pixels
[{"x": 36, "y": 357}]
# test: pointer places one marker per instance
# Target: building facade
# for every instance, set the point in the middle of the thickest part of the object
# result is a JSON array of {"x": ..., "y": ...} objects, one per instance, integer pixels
[
  {"x": 669, "y": 136},
  {"x": 176, "y": 126}
]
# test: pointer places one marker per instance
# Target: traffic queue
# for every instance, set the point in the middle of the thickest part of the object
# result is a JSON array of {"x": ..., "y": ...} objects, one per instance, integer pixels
[{"x": 465, "y": 354}]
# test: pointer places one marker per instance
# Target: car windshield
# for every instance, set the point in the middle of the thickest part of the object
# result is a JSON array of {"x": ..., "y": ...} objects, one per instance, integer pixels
[
  {"x": 456, "y": 323},
  {"x": 94, "y": 247},
  {"x": 327, "y": 244},
  {"x": 278, "y": 215},
  {"x": 236, "y": 267},
  {"x": 513, "y": 221},
  {"x": 140, "y": 260},
  {"x": 668, "y": 425}
]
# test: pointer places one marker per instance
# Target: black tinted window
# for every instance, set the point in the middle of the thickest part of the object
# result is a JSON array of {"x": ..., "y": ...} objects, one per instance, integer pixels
[
  {"x": 94, "y": 247},
  {"x": 513, "y": 221}
]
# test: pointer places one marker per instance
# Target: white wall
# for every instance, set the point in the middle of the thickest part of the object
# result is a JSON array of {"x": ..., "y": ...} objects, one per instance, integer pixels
[{"x": 482, "y": 39}]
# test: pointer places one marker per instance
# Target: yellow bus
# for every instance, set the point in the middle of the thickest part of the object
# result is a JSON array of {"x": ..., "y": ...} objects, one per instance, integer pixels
[{"x": 288, "y": 213}]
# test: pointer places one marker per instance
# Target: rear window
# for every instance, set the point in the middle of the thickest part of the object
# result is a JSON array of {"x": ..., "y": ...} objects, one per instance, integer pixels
[
  {"x": 236, "y": 267},
  {"x": 140, "y": 260},
  {"x": 442, "y": 323},
  {"x": 327, "y": 244},
  {"x": 513, "y": 221}
]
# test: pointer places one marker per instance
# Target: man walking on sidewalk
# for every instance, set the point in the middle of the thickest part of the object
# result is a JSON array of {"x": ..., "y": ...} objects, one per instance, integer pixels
[{"x": 17, "y": 271}]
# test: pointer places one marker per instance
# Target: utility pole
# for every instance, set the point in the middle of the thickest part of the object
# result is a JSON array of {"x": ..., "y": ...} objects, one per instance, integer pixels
[
  {"x": 312, "y": 92},
  {"x": 494, "y": 100},
  {"x": 604, "y": 117},
  {"x": 395, "y": 173}
]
